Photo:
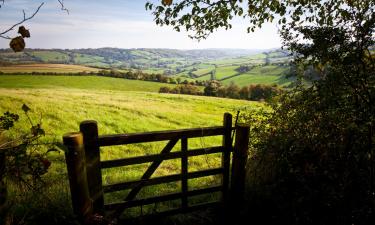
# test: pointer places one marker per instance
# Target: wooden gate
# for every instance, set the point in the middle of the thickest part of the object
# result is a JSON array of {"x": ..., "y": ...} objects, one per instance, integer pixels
[{"x": 85, "y": 177}]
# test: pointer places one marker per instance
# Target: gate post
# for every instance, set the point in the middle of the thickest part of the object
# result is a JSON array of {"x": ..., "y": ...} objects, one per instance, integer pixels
[
  {"x": 89, "y": 129},
  {"x": 225, "y": 160},
  {"x": 75, "y": 161},
  {"x": 240, "y": 155}
]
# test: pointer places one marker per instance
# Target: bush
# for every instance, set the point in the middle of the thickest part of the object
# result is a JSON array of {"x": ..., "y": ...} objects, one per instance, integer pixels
[
  {"x": 23, "y": 161},
  {"x": 164, "y": 90}
]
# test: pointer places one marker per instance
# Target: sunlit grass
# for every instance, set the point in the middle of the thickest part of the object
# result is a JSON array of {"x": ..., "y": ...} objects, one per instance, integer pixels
[
  {"x": 62, "y": 109},
  {"x": 45, "y": 68},
  {"x": 78, "y": 82}
]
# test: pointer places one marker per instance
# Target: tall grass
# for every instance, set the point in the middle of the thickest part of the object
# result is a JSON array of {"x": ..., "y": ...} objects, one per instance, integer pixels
[
  {"x": 78, "y": 82},
  {"x": 62, "y": 109}
]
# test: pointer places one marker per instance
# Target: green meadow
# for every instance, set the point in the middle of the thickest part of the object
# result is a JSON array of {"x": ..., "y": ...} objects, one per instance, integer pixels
[
  {"x": 78, "y": 82},
  {"x": 119, "y": 106}
]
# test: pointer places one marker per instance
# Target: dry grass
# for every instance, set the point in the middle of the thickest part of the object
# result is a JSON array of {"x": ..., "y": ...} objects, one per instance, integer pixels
[{"x": 45, "y": 68}]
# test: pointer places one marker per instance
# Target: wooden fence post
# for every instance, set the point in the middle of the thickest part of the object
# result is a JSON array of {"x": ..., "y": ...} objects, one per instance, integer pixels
[
  {"x": 184, "y": 172},
  {"x": 75, "y": 161},
  {"x": 240, "y": 154},
  {"x": 89, "y": 129},
  {"x": 225, "y": 160}
]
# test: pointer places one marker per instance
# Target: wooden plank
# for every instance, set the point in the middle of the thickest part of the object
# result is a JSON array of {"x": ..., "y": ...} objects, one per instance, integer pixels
[
  {"x": 184, "y": 172},
  {"x": 121, "y": 139},
  {"x": 151, "y": 169},
  {"x": 151, "y": 158},
  {"x": 163, "y": 198},
  {"x": 225, "y": 162},
  {"x": 159, "y": 180},
  {"x": 146, "y": 182},
  {"x": 89, "y": 129}
]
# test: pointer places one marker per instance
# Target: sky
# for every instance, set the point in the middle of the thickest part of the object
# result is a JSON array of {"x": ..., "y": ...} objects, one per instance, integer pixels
[{"x": 119, "y": 24}]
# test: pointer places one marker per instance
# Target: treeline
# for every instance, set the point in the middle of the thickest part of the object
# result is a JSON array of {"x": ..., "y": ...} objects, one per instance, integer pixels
[
  {"x": 155, "y": 77},
  {"x": 131, "y": 75},
  {"x": 83, "y": 73},
  {"x": 214, "y": 88}
]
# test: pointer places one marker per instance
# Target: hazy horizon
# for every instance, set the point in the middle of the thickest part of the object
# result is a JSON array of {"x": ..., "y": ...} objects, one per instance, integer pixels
[
  {"x": 118, "y": 24},
  {"x": 180, "y": 49}
]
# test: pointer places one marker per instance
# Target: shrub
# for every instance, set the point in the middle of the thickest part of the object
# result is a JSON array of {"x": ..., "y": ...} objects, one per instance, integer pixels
[
  {"x": 22, "y": 160},
  {"x": 164, "y": 90}
]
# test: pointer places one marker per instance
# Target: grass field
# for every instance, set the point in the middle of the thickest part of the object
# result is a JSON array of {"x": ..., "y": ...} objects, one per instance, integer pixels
[
  {"x": 129, "y": 107},
  {"x": 78, "y": 82},
  {"x": 86, "y": 59},
  {"x": 222, "y": 72},
  {"x": 50, "y": 56},
  {"x": 270, "y": 74},
  {"x": 46, "y": 68},
  {"x": 247, "y": 79},
  {"x": 201, "y": 72}
]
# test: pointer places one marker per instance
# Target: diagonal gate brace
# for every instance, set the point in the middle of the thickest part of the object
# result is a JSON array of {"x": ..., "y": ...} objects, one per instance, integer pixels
[{"x": 151, "y": 169}]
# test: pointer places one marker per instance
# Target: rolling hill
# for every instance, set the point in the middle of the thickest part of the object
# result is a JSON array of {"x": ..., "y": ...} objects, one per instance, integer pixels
[
  {"x": 242, "y": 67},
  {"x": 141, "y": 58},
  {"x": 119, "y": 106}
]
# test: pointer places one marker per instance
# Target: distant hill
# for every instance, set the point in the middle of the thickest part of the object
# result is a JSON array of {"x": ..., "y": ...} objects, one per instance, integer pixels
[
  {"x": 239, "y": 66},
  {"x": 140, "y": 58}
]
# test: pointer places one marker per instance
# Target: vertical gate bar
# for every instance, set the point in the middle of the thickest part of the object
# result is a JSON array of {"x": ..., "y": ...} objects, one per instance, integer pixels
[
  {"x": 240, "y": 155},
  {"x": 75, "y": 162},
  {"x": 184, "y": 172},
  {"x": 89, "y": 129},
  {"x": 225, "y": 159}
]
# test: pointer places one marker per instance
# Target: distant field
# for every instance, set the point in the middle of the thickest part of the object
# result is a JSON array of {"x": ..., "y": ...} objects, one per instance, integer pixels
[
  {"x": 269, "y": 70},
  {"x": 78, "y": 82},
  {"x": 201, "y": 72},
  {"x": 52, "y": 68},
  {"x": 222, "y": 72},
  {"x": 119, "y": 106},
  {"x": 205, "y": 77},
  {"x": 229, "y": 61},
  {"x": 270, "y": 74},
  {"x": 48, "y": 56},
  {"x": 247, "y": 79},
  {"x": 153, "y": 70}
]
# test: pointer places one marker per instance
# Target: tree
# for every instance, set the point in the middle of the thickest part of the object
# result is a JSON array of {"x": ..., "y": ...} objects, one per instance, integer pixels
[
  {"x": 314, "y": 156},
  {"x": 203, "y": 17},
  {"x": 18, "y": 43},
  {"x": 212, "y": 87},
  {"x": 244, "y": 93},
  {"x": 233, "y": 91}
]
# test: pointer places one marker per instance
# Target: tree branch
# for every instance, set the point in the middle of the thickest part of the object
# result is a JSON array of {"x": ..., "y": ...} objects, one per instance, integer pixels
[
  {"x": 63, "y": 6},
  {"x": 23, "y": 20}
]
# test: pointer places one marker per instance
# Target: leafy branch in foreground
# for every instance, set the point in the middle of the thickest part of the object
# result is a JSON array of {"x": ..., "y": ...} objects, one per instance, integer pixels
[
  {"x": 313, "y": 154},
  {"x": 22, "y": 159},
  {"x": 203, "y": 17},
  {"x": 18, "y": 43}
]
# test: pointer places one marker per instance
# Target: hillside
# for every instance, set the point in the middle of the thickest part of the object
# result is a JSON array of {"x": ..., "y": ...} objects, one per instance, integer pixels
[
  {"x": 47, "y": 68},
  {"x": 78, "y": 82},
  {"x": 141, "y": 58},
  {"x": 268, "y": 67},
  {"x": 242, "y": 67},
  {"x": 125, "y": 109}
]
